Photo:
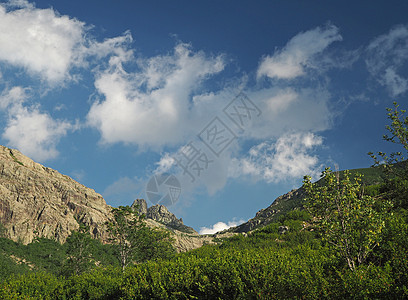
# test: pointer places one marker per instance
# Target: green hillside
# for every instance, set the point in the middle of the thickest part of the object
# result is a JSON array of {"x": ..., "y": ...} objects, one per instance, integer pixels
[
  {"x": 286, "y": 258},
  {"x": 372, "y": 178},
  {"x": 350, "y": 242}
]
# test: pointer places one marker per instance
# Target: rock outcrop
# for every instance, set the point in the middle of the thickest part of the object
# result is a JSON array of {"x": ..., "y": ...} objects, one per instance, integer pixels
[
  {"x": 161, "y": 214},
  {"x": 139, "y": 206},
  {"x": 281, "y": 205},
  {"x": 36, "y": 201}
]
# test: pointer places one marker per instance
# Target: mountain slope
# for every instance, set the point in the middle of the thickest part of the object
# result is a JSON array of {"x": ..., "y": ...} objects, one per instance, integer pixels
[
  {"x": 292, "y": 200},
  {"x": 36, "y": 201}
]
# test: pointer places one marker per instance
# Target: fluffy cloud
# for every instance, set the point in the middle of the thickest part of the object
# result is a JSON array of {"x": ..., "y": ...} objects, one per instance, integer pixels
[
  {"x": 150, "y": 107},
  {"x": 33, "y": 132},
  {"x": 40, "y": 40},
  {"x": 290, "y": 109},
  {"x": 285, "y": 159},
  {"x": 13, "y": 96},
  {"x": 386, "y": 57},
  {"x": 291, "y": 61},
  {"x": 220, "y": 226}
]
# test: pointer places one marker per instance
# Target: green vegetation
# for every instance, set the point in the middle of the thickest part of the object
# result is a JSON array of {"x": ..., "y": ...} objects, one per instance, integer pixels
[
  {"x": 15, "y": 158},
  {"x": 348, "y": 219},
  {"x": 351, "y": 241},
  {"x": 263, "y": 265},
  {"x": 134, "y": 240}
]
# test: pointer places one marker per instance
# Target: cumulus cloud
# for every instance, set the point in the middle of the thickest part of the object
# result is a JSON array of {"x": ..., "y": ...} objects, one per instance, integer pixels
[
  {"x": 387, "y": 55},
  {"x": 298, "y": 54},
  {"x": 290, "y": 109},
  {"x": 150, "y": 107},
  {"x": 284, "y": 106},
  {"x": 33, "y": 132},
  {"x": 165, "y": 163},
  {"x": 287, "y": 158},
  {"x": 13, "y": 96},
  {"x": 219, "y": 226},
  {"x": 40, "y": 41}
]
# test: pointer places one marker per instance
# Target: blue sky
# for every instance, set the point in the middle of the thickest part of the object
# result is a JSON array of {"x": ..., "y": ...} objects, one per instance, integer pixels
[{"x": 257, "y": 94}]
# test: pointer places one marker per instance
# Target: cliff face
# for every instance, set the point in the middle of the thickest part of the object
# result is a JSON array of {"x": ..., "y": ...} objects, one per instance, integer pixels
[
  {"x": 161, "y": 214},
  {"x": 36, "y": 201}
]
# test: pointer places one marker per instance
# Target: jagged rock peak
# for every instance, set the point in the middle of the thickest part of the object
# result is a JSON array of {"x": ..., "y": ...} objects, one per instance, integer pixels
[
  {"x": 140, "y": 206},
  {"x": 161, "y": 214}
]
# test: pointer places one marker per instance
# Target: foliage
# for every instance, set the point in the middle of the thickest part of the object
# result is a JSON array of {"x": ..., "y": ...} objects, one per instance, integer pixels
[
  {"x": 136, "y": 241},
  {"x": 79, "y": 248},
  {"x": 123, "y": 230},
  {"x": 349, "y": 220},
  {"x": 263, "y": 264},
  {"x": 153, "y": 244},
  {"x": 396, "y": 167}
]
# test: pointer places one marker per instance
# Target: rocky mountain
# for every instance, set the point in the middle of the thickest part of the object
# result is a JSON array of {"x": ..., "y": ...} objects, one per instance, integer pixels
[
  {"x": 281, "y": 205},
  {"x": 161, "y": 214},
  {"x": 293, "y": 200},
  {"x": 36, "y": 201}
]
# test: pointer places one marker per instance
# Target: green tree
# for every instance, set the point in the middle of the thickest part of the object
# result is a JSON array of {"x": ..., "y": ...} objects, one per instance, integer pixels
[
  {"x": 79, "y": 247},
  {"x": 395, "y": 165},
  {"x": 123, "y": 230},
  {"x": 153, "y": 243},
  {"x": 136, "y": 241},
  {"x": 347, "y": 219}
]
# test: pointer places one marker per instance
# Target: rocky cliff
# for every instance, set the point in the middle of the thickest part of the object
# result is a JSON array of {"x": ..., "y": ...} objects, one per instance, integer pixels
[
  {"x": 36, "y": 201},
  {"x": 161, "y": 214}
]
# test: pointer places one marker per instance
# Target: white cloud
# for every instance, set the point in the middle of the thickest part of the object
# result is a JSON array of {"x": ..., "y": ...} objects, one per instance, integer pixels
[
  {"x": 288, "y": 158},
  {"x": 220, "y": 226},
  {"x": 34, "y": 133},
  {"x": 386, "y": 56},
  {"x": 40, "y": 40},
  {"x": 14, "y": 96},
  {"x": 151, "y": 108},
  {"x": 290, "y": 109},
  {"x": 280, "y": 102},
  {"x": 165, "y": 163},
  {"x": 298, "y": 54}
]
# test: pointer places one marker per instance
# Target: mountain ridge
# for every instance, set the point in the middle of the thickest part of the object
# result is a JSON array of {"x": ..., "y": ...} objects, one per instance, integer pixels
[
  {"x": 292, "y": 200},
  {"x": 37, "y": 201}
]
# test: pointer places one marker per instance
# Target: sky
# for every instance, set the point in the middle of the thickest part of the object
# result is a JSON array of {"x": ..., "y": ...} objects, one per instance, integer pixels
[{"x": 214, "y": 108}]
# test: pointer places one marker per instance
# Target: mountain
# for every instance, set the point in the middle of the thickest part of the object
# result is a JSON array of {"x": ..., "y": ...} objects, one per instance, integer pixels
[
  {"x": 161, "y": 214},
  {"x": 36, "y": 201},
  {"x": 293, "y": 200}
]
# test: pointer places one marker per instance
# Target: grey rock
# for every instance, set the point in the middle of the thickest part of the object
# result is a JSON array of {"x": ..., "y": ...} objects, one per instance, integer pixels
[
  {"x": 161, "y": 214},
  {"x": 36, "y": 201},
  {"x": 140, "y": 206}
]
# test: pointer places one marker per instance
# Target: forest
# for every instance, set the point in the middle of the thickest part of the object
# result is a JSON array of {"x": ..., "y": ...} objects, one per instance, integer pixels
[{"x": 348, "y": 239}]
